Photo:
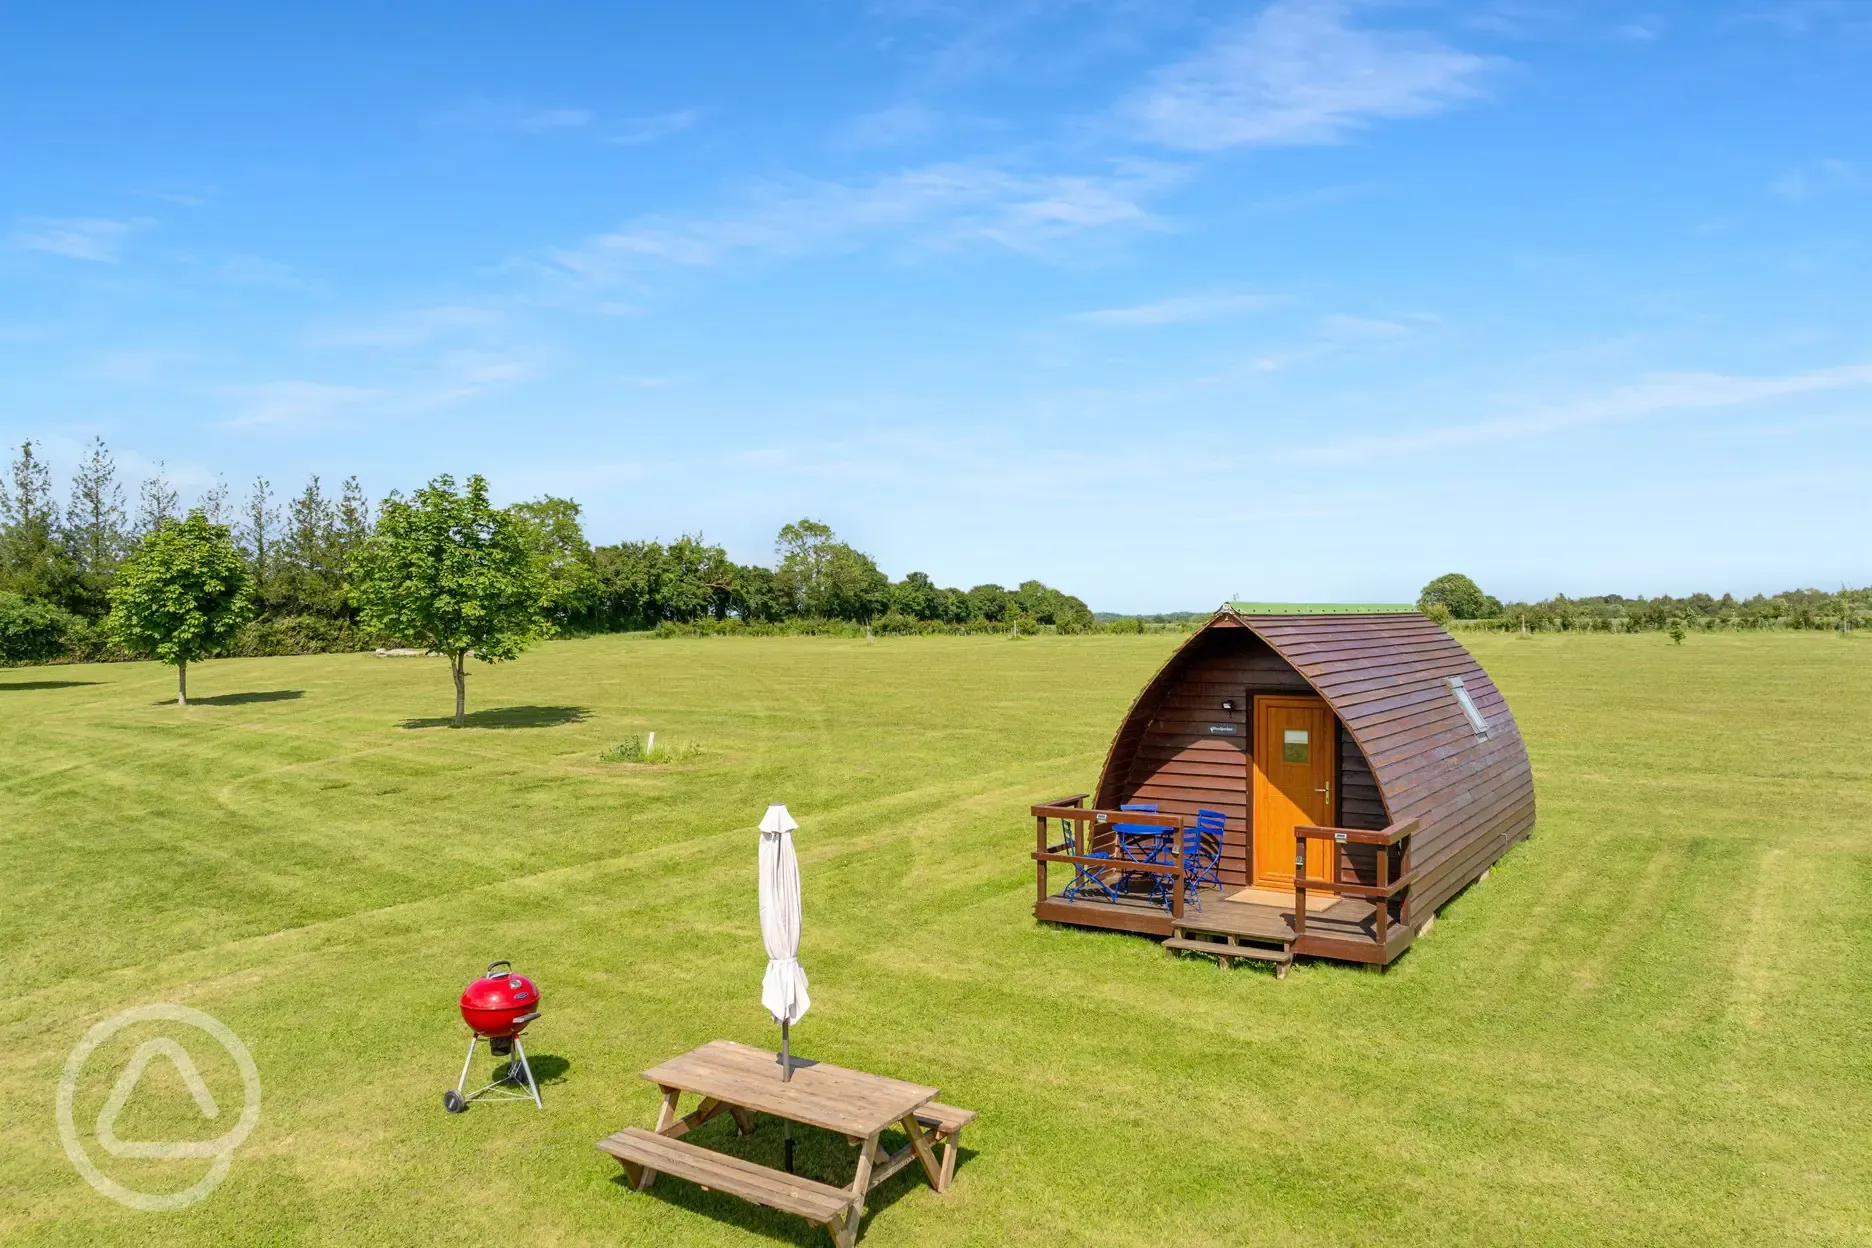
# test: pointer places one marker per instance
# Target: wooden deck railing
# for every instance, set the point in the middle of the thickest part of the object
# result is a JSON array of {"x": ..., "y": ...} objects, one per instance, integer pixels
[
  {"x": 1075, "y": 817},
  {"x": 1336, "y": 838}
]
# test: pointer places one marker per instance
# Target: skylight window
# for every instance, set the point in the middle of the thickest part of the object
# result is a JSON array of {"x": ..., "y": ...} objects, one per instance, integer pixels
[{"x": 1468, "y": 706}]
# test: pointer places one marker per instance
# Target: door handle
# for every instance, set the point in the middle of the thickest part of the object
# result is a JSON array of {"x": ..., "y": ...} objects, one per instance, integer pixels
[{"x": 1328, "y": 792}]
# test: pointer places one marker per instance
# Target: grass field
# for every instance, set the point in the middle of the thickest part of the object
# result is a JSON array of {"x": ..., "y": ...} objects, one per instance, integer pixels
[{"x": 1649, "y": 1026}]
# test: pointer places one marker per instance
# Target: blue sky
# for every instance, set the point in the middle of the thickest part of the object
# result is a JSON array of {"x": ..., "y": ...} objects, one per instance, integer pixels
[{"x": 1160, "y": 302}]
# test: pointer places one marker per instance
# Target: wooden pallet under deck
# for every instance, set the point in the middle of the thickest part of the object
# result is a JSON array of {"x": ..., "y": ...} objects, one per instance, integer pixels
[{"x": 1346, "y": 931}]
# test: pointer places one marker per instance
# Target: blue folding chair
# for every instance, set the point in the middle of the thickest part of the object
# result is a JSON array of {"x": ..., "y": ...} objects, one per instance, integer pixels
[
  {"x": 1084, "y": 877},
  {"x": 1202, "y": 854}
]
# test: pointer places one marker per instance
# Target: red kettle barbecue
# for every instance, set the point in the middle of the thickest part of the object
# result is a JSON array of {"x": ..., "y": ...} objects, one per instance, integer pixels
[{"x": 497, "y": 1006}]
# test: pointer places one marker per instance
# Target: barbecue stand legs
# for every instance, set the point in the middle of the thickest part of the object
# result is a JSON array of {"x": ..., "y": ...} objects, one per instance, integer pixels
[
  {"x": 518, "y": 1073},
  {"x": 526, "y": 1068}
]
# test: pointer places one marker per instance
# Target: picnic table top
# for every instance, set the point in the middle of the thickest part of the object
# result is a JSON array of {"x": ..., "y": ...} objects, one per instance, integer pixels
[{"x": 850, "y": 1102}]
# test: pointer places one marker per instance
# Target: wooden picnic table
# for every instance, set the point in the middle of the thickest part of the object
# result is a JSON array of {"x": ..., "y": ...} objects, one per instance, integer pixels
[{"x": 741, "y": 1080}]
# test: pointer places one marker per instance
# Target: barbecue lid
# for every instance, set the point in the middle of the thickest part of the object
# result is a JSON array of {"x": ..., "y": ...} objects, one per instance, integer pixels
[{"x": 500, "y": 989}]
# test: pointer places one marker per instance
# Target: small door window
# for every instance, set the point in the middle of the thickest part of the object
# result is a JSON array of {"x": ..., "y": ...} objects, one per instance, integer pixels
[{"x": 1294, "y": 745}]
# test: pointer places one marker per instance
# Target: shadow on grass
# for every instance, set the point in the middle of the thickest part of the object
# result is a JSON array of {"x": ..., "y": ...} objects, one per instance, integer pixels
[
  {"x": 822, "y": 1156},
  {"x": 509, "y": 717},
  {"x": 241, "y": 699},
  {"x": 23, "y": 685},
  {"x": 548, "y": 1068}
]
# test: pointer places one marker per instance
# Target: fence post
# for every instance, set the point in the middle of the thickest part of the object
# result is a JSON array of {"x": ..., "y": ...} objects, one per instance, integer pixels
[
  {"x": 1300, "y": 857},
  {"x": 1384, "y": 902},
  {"x": 1040, "y": 864},
  {"x": 1176, "y": 898}
]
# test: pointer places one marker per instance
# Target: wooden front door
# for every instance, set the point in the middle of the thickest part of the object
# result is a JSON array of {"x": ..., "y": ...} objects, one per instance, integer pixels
[{"x": 1295, "y": 760}]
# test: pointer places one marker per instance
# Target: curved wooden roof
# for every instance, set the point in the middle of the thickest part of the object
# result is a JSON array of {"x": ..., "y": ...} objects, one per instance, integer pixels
[{"x": 1387, "y": 677}]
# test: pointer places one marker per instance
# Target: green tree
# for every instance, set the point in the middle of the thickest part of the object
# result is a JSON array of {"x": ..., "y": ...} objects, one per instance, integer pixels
[
  {"x": 988, "y": 602},
  {"x": 353, "y": 530},
  {"x": 214, "y": 503},
  {"x": 1462, "y": 596},
  {"x": 311, "y": 578},
  {"x": 694, "y": 580},
  {"x": 917, "y": 597},
  {"x": 756, "y": 599},
  {"x": 182, "y": 592},
  {"x": 455, "y": 574},
  {"x": 31, "y": 632},
  {"x": 805, "y": 551},
  {"x": 627, "y": 574},
  {"x": 95, "y": 522},
  {"x": 853, "y": 588},
  {"x": 33, "y": 559},
  {"x": 157, "y": 502},
  {"x": 259, "y": 537},
  {"x": 565, "y": 558},
  {"x": 826, "y": 578}
]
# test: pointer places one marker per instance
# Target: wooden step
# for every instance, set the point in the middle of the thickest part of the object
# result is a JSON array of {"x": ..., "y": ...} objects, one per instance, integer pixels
[
  {"x": 1281, "y": 958},
  {"x": 1185, "y": 930},
  {"x": 640, "y": 1150}
]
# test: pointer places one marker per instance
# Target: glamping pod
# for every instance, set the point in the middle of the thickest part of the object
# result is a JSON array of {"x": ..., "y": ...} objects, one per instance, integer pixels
[{"x": 1297, "y": 779}]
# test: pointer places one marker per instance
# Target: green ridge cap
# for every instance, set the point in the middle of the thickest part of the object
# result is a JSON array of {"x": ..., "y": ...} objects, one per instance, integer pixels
[{"x": 1321, "y": 608}]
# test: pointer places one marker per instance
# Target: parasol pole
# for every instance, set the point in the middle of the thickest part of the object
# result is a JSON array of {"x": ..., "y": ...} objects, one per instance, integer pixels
[{"x": 786, "y": 1076}]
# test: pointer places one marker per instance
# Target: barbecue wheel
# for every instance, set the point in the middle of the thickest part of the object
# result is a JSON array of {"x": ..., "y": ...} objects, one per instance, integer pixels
[{"x": 453, "y": 1102}]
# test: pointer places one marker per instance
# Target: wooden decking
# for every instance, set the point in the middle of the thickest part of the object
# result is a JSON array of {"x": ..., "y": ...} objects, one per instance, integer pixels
[{"x": 1346, "y": 931}]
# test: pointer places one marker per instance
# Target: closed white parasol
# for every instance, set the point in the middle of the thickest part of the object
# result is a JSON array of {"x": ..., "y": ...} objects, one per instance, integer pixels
[{"x": 783, "y": 989}]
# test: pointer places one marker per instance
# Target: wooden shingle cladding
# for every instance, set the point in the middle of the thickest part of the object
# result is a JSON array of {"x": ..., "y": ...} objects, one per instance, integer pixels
[{"x": 1407, "y": 751}]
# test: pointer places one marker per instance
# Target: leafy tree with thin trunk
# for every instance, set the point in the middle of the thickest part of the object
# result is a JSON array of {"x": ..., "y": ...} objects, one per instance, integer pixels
[
  {"x": 451, "y": 572},
  {"x": 181, "y": 594}
]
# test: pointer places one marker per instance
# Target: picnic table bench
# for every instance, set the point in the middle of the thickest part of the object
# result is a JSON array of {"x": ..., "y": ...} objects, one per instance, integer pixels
[{"x": 740, "y": 1080}]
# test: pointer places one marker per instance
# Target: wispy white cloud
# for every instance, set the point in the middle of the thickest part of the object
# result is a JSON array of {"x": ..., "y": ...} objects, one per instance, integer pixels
[
  {"x": 939, "y": 205},
  {"x": 632, "y": 131},
  {"x": 511, "y": 117},
  {"x": 1643, "y": 28},
  {"x": 133, "y": 365},
  {"x": 1302, "y": 73},
  {"x": 298, "y": 405},
  {"x": 458, "y": 376},
  {"x": 1658, "y": 395},
  {"x": 245, "y": 270},
  {"x": 414, "y": 327},
  {"x": 295, "y": 404},
  {"x": 901, "y": 125},
  {"x": 945, "y": 43},
  {"x": 96, "y": 239},
  {"x": 1340, "y": 325},
  {"x": 491, "y": 116},
  {"x": 1180, "y": 310},
  {"x": 1809, "y": 181},
  {"x": 1796, "y": 18},
  {"x": 187, "y": 194}
]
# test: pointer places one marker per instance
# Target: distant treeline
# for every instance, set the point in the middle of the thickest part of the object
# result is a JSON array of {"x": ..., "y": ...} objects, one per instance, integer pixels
[
  {"x": 1457, "y": 599},
  {"x": 1614, "y": 613},
  {"x": 58, "y": 560}
]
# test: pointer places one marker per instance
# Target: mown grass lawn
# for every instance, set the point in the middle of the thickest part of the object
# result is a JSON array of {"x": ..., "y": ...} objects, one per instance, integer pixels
[{"x": 1649, "y": 1026}]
